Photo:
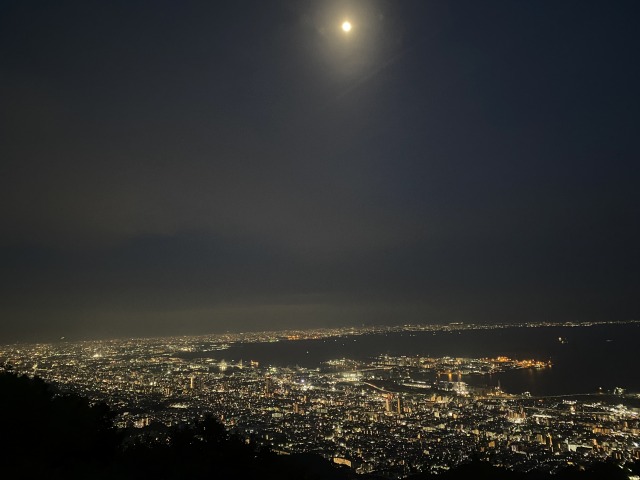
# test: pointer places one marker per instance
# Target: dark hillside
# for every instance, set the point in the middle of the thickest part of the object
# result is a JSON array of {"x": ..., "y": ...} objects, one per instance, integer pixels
[{"x": 51, "y": 435}]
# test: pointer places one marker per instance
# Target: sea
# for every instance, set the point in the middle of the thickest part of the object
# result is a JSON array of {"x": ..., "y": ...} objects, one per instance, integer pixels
[{"x": 585, "y": 359}]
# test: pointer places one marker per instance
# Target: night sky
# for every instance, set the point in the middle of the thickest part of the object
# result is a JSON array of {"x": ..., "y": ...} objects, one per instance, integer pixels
[{"x": 179, "y": 167}]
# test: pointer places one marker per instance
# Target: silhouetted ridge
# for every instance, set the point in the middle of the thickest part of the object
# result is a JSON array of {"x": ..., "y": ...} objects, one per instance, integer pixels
[
  {"x": 47, "y": 434},
  {"x": 53, "y": 435}
]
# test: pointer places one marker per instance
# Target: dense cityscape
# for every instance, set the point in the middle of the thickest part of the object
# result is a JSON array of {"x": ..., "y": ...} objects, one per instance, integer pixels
[
  {"x": 390, "y": 415},
  {"x": 319, "y": 240}
]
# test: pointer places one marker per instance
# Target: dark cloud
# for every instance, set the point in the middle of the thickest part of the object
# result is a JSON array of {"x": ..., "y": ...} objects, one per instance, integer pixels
[{"x": 193, "y": 167}]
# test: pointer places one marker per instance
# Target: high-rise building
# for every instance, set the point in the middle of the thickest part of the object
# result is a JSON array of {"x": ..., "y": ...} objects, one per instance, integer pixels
[
  {"x": 268, "y": 387},
  {"x": 387, "y": 402}
]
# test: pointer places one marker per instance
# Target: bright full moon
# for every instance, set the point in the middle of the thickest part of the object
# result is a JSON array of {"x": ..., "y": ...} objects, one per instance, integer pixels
[{"x": 346, "y": 26}]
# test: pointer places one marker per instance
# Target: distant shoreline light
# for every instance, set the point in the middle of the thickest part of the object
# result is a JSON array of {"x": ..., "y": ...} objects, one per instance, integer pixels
[{"x": 226, "y": 338}]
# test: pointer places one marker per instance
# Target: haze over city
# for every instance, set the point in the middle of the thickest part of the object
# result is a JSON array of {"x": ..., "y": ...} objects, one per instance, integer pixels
[{"x": 190, "y": 167}]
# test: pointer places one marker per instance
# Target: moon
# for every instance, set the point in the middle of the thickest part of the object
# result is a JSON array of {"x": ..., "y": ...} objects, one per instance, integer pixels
[{"x": 346, "y": 26}]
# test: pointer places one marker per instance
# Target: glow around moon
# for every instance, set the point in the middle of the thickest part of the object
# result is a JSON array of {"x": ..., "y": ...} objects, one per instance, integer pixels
[{"x": 346, "y": 26}]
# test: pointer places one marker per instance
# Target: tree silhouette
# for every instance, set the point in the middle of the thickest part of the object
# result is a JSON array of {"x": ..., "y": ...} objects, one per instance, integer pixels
[
  {"x": 47, "y": 434},
  {"x": 45, "y": 430}
]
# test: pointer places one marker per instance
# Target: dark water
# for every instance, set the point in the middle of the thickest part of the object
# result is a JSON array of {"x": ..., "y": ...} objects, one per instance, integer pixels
[{"x": 593, "y": 357}]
